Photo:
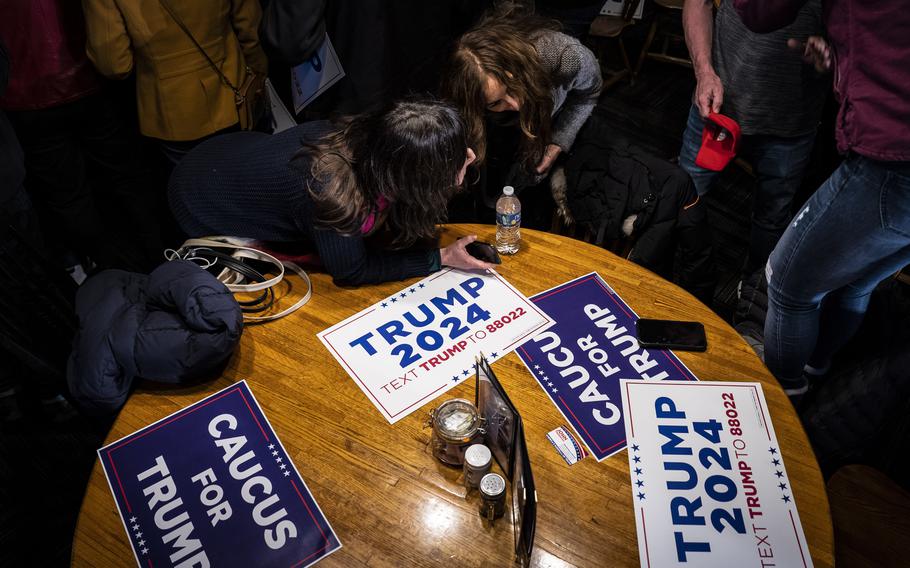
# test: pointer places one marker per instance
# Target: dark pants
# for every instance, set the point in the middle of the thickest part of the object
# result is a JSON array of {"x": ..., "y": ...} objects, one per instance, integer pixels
[
  {"x": 175, "y": 150},
  {"x": 90, "y": 182},
  {"x": 37, "y": 319},
  {"x": 779, "y": 165},
  {"x": 852, "y": 233}
]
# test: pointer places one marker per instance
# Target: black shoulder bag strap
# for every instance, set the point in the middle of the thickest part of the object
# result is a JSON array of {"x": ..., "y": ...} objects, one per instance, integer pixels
[{"x": 238, "y": 96}]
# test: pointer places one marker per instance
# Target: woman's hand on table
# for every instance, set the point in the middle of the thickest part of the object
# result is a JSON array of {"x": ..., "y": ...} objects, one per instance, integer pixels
[{"x": 456, "y": 256}]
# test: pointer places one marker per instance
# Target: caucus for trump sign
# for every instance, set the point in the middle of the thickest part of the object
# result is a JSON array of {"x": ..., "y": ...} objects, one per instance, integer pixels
[
  {"x": 579, "y": 361},
  {"x": 416, "y": 344},
  {"x": 709, "y": 484},
  {"x": 211, "y": 485}
]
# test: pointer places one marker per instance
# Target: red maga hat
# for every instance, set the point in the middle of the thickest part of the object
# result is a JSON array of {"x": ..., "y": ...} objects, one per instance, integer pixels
[{"x": 719, "y": 140}]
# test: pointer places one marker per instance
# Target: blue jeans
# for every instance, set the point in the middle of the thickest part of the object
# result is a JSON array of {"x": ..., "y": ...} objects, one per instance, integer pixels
[
  {"x": 779, "y": 163},
  {"x": 852, "y": 233}
]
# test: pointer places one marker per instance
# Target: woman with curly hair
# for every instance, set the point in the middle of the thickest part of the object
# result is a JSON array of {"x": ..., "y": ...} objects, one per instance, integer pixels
[
  {"x": 520, "y": 69},
  {"x": 365, "y": 194}
]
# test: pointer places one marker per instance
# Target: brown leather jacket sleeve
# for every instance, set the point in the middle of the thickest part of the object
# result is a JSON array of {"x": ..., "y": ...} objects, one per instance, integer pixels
[
  {"x": 245, "y": 18},
  {"x": 108, "y": 44}
]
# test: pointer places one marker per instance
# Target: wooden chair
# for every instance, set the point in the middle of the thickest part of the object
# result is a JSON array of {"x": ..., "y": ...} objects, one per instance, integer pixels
[
  {"x": 608, "y": 27},
  {"x": 669, "y": 14}
]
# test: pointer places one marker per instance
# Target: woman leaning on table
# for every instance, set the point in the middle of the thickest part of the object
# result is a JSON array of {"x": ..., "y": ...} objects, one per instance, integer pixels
[
  {"x": 519, "y": 69},
  {"x": 365, "y": 194}
]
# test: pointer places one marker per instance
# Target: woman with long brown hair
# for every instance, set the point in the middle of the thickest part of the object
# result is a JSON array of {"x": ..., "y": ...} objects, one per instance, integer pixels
[
  {"x": 365, "y": 194},
  {"x": 522, "y": 64}
]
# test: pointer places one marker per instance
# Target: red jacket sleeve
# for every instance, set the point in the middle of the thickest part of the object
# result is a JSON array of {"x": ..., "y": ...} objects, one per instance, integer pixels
[{"x": 763, "y": 16}]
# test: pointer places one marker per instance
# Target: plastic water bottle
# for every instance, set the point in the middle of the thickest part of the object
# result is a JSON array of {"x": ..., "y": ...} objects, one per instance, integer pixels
[{"x": 508, "y": 222}]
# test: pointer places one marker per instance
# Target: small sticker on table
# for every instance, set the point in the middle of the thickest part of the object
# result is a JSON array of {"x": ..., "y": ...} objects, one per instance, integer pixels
[{"x": 567, "y": 446}]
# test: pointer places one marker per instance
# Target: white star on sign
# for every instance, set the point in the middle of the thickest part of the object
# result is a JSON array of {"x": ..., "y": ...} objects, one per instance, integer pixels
[
  {"x": 287, "y": 473},
  {"x": 271, "y": 446},
  {"x": 283, "y": 466},
  {"x": 138, "y": 535},
  {"x": 141, "y": 543},
  {"x": 278, "y": 460},
  {"x": 135, "y": 527},
  {"x": 536, "y": 366},
  {"x": 555, "y": 390},
  {"x": 275, "y": 453},
  {"x": 145, "y": 551},
  {"x": 132, "y": 519}
]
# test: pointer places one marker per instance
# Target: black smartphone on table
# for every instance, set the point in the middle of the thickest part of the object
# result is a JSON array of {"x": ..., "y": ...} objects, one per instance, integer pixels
[{"x": 670, "y": 334}]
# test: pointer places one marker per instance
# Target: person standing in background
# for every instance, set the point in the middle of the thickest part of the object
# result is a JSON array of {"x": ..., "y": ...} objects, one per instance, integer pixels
[
  {"x": 181, "y": 99},
  {"x": 855, "y": 229},
  {"x": 36, "y": 311},
  {"x": 85, "y": 173},
  {"x": 389, "y": 49},
  {"x": 292, "y": 30},
  {"x": 776, "y": 99}
]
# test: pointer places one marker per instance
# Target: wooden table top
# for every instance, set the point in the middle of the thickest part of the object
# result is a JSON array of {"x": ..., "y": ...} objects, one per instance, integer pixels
[{"x": 389, "y": 500}]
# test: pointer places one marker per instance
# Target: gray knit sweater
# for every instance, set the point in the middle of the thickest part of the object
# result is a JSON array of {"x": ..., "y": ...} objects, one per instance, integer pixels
[{"x": 576, "y": 79}]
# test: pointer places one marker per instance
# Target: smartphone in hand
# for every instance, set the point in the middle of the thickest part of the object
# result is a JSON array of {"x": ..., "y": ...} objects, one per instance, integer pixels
[
  {"x": 483, "y": 251},
  {"x": 668, "y": 334}
]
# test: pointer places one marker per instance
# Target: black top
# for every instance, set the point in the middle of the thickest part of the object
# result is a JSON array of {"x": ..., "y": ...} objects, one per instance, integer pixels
[
  {"x": 242, "y": 185},
  {"x": 292, "y": 29}
]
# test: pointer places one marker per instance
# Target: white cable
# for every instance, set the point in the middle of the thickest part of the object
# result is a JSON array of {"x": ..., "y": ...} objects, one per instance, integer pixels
[{"x": 234, "y": 281}]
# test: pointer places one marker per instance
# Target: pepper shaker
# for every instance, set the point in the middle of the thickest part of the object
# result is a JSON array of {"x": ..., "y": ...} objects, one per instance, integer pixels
[{"x": 492, "y": 496}]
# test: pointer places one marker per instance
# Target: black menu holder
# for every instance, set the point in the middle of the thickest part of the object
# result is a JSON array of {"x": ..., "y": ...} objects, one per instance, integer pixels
[
  {"x": 524, "y": 501},
  {"x": 499, "y": 414},
  {"x": 505, "y": 438}
]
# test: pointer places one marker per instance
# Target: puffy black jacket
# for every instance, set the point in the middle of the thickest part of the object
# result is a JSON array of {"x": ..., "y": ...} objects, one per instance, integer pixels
[
  {"x": 178, "y": 323},
  {"x": 609, "y": 180}
]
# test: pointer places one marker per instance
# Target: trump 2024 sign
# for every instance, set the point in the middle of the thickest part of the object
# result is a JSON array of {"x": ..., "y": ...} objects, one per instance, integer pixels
[
  {"x": 212, "y": 485},
  {"x": 709, "y": 486},
  {"x": 418, "y": 343}
]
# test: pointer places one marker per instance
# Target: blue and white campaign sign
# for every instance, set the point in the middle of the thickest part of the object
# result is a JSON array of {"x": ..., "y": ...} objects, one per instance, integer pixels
[
  {"x": 579, "y": 361},
  {"x": 314, "y": 76},
  {"x": 212, "y": 485},
  {"x": 411, "y": 347},
  {"x": 709, "y": 484}
]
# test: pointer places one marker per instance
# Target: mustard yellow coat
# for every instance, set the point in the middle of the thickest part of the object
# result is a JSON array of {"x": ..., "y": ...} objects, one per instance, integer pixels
[{"x": 179, "y": 96}]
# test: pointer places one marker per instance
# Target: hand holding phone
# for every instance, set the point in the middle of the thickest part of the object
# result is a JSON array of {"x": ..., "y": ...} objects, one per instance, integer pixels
[
  {"x": 668, "y": 334},
  {"x": 483, "y": 251}
]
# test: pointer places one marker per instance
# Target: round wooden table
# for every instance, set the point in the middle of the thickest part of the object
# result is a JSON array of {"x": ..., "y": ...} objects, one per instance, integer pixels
[{"x": 389, "y": 500}]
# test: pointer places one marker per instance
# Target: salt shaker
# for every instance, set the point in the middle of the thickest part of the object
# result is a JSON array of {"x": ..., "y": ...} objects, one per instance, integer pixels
[{"x": 477, "y": 462}]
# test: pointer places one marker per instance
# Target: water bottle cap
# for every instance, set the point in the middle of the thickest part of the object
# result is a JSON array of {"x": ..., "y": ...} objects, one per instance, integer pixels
[{"x": 508, "y": 190}]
